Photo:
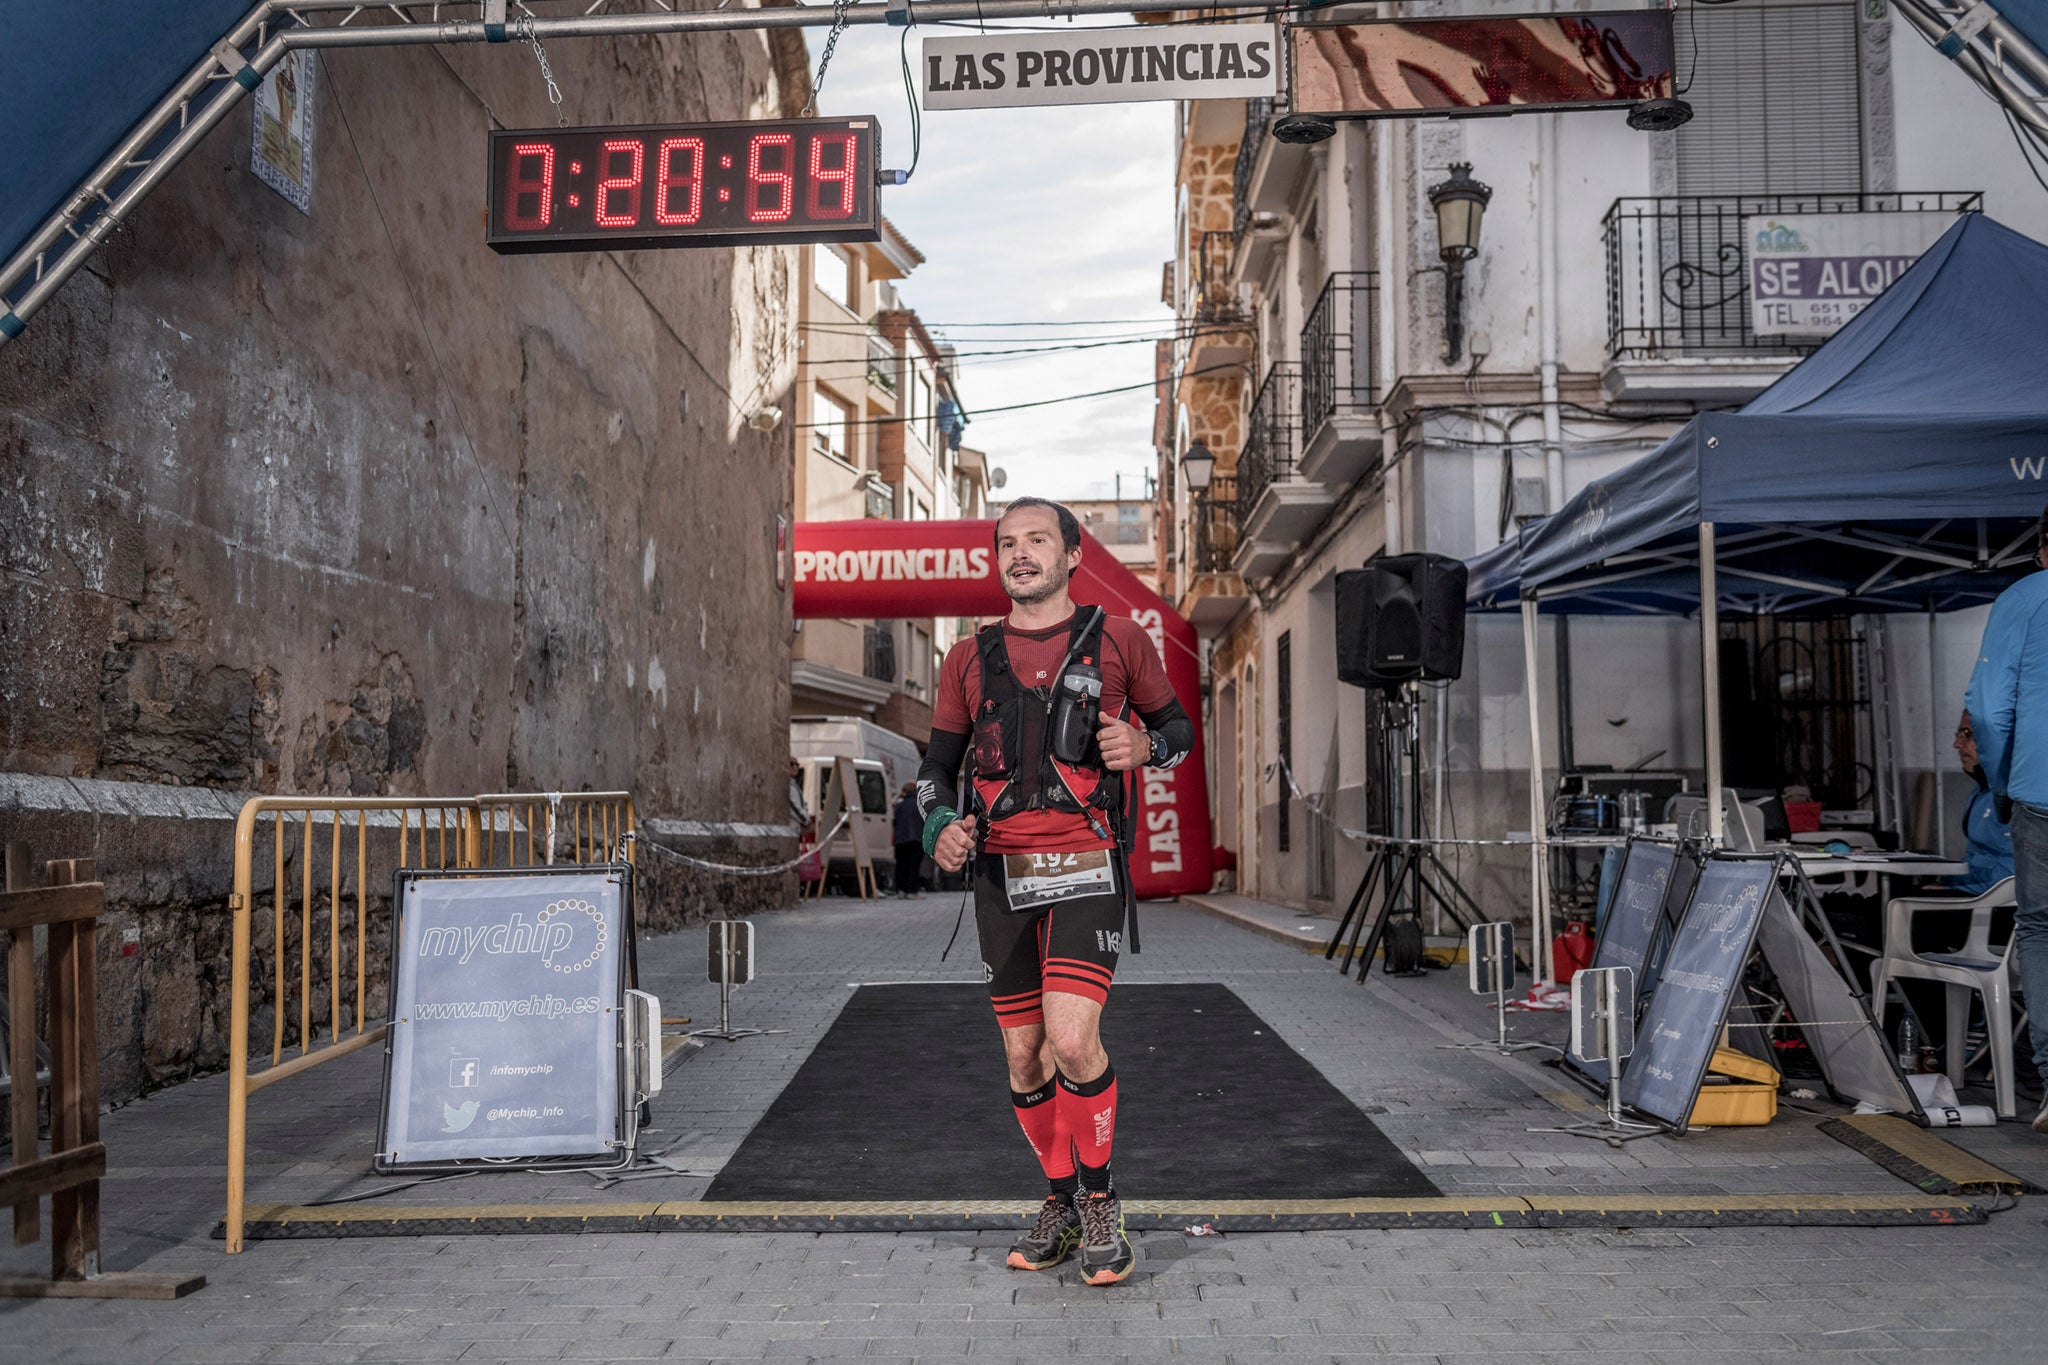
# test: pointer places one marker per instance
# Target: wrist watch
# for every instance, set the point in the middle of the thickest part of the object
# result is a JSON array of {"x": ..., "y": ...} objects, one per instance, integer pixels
[{"x": 1158, "y": 758}]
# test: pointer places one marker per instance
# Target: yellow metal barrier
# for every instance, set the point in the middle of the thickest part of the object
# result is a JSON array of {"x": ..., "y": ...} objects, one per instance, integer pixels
[{"x": 366, "y": 835}]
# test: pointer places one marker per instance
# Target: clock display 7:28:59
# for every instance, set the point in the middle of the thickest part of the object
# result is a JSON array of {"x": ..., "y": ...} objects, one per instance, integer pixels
[{"x": 708, "y": 184}]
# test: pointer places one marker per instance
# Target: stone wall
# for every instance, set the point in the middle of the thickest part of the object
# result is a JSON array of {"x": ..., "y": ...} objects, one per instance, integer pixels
[{"x": 347, "y": 504}]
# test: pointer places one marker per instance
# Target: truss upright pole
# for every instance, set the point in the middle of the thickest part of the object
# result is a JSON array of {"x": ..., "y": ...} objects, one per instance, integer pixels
[{"x": 1710, "y": 682}]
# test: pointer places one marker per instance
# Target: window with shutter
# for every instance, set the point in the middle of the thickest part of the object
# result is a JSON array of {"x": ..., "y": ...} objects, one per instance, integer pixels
[{"x": 1776, "y": 100}]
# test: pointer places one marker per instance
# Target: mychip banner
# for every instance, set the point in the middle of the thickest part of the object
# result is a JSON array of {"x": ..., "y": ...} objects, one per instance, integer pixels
[
  {"x": 1679, "y": 1029},
  {"x": 1101, "y": 66},
  {"x": 1811, "y": 272},
  {"x": 505, "y": 1017}
]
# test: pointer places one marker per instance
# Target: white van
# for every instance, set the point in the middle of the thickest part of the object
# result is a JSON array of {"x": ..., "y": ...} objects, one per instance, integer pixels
[
  {"x": 882, "y": 761},
  {"x": 829, "y": 736}
]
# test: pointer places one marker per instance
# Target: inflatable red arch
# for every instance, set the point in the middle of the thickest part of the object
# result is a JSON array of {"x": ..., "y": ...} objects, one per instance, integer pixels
[{"x": 886, "y": 568}]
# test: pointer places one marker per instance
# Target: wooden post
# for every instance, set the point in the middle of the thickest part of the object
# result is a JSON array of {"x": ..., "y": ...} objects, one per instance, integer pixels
[
  {"x": 70, "y": 905},
  {"x": 21, "y": 1041}
]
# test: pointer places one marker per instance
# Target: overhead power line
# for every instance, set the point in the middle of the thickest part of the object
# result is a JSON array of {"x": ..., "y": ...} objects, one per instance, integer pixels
[
  {"x": 1016, "y": 407},
  {"x": 1022, "y": 352}
]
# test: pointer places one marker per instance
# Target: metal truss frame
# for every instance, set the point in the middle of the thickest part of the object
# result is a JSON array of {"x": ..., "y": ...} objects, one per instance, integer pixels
[
  {"x": 1992, "y": 52},
  {"x": 237, "y": 64},
  {"x": 1910, "y": 562}
]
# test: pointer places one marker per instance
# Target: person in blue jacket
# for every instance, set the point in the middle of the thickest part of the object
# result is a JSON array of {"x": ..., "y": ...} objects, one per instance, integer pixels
[
  {"x": 2008, "y": 705},
  {"x": 1987, "y": 839}
]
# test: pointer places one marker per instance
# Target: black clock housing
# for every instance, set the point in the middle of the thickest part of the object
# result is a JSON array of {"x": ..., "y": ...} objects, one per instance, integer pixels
[{"x": 684, "y": 184}]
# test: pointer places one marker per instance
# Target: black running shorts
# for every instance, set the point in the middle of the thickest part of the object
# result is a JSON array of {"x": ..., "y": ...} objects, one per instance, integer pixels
[{"x": 1048, "y": 922}]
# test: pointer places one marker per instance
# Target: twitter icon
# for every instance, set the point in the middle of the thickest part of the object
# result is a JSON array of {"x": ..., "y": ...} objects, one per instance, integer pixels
[{"x": 456, "y": 1118}]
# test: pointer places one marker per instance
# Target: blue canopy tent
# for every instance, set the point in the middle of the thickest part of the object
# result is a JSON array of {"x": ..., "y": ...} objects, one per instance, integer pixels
[
  {"x": 77, "y": 76},
  {"x": 1900, "y": 467}
]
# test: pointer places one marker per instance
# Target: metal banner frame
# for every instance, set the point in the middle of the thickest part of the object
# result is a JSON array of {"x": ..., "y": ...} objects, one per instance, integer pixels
[
  {"x": 627, "y": 1109},
  {"x": 249, "y": 51}
]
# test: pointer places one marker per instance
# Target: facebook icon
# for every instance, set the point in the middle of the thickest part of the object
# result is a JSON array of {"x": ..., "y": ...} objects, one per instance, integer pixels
[{"x": 462, "y": 1073}]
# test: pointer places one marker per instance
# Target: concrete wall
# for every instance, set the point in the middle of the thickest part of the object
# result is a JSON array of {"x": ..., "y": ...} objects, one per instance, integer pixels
[{"x": 348, "y": 504}]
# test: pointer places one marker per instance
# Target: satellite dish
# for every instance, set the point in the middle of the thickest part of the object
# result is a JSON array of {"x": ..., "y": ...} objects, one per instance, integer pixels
[{"x": 997, "y": 477}]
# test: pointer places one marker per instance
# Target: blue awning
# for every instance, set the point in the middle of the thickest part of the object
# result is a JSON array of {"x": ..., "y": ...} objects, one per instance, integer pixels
[{"x": 1899, "y": 467}]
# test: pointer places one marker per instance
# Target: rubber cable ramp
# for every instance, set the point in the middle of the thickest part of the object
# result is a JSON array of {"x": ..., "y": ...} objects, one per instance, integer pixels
[
  {"x": 278, "y": 1222},
  {"x": 1921, "y": 1159}
]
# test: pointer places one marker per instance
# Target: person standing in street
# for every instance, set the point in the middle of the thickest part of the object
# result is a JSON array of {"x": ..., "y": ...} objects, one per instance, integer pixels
[
  {"x": 1987, "y": 837},
  {"x": 799, "y": 809},
  {"x": 909, "y": 838},
  {"x": 1042, "y": 695},
  {"x": 2008, "y": 706}
]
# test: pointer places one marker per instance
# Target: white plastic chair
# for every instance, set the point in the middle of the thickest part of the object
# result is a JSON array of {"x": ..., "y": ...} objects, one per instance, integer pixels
[{"x": 1976, "y": 966}]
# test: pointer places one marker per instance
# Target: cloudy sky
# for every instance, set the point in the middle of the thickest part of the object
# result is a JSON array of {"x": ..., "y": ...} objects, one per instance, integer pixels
[{"x": 1049, "y": 217}]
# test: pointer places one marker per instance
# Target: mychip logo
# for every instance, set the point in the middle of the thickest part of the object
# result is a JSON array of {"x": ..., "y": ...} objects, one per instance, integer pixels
[{"x": 568, "y": 936}]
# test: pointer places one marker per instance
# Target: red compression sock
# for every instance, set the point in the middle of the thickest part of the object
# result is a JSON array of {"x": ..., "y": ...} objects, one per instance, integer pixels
[
  {"x": 1089, "y": 1109},
  {"x": 1043, "y": 1120}
]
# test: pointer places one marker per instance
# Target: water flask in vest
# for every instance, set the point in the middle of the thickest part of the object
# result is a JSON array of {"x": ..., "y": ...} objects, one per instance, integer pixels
[{"x": 1074, "y": 715}]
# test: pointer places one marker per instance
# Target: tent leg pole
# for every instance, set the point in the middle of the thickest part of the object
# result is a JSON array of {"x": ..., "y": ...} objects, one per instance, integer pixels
[
  {"x": 1539, "y": 834},
  {"x": 1440, "y": 713},
  {"x": 1935, "y": 713},
  {"x": 1710, "y": 681}
]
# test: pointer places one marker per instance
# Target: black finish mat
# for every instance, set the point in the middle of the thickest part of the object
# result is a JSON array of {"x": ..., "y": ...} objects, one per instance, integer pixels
[{"x": 905, "y": 1098}]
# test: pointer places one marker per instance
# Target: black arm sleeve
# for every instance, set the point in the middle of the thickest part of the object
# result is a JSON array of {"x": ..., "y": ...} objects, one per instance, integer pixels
[
  {"x": 1171, "y": 723},
  {"x": 938, "y": 777}
]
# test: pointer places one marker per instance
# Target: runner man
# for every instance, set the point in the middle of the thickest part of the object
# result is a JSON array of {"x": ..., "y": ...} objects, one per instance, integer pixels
[{"x": 1049, "y": 876}]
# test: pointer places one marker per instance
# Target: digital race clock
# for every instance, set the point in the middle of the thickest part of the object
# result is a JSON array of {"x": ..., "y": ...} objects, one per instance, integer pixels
[{"x": 685, "y": 184}]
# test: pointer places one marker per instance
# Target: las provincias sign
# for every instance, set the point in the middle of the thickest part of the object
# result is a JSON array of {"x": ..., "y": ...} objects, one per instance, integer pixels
[{"x": 1101, "y": 66}]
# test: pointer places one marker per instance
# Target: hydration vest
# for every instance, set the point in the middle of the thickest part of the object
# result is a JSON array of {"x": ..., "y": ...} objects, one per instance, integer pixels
[{"x": 1012, "y": 767}]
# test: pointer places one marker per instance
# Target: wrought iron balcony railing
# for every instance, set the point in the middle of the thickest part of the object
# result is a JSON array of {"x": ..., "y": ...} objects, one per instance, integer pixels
[
  {"x": 1213, "y": 527},
  {"x": 1678, "y": 268},
  {"x": 1272, "y": 437},
  {"x": 1211, "y": 298},
  {"x": 878, "y": 651},
  {"x": 881, "y": 362},
  {"x": 1258, "y": 126},
  {"x": 1337, "y": 349}
]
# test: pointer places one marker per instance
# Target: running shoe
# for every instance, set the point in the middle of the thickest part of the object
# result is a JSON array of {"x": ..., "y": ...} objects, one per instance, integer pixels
[
  {"x": 1052, "y": 1238},
  {"x": 1106, "y": 1254},
  {"x": 2041, "y": 1119}
]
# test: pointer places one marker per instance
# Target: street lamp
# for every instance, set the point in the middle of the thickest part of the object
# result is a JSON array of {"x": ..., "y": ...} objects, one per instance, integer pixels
[
  {"x": 1460, "y": 205},
  {"x": 1198, "y": 466}
]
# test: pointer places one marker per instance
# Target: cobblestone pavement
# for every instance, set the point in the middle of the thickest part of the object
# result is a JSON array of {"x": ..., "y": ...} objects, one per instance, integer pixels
[{"x": 1973, "y": 1293}]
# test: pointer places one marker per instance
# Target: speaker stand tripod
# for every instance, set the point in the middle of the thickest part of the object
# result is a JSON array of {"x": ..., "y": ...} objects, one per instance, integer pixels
[{"x": 1409, "y": 867}]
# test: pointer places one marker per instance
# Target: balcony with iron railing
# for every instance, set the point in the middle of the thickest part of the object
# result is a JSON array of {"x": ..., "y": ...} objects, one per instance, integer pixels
[
  {"x": 1213, "y": 591},
  {"x": 1340, "y": 427},
  {"x": 1261, "y": 183},
  {"x": 1211, "y": 296},
  {"x": 1220, "y": 335},
  {"x": 1680, "y": 320},
  {"x": 878, "y": 651},
  {"x": 1276, "y": 506},
  {"x": 1270, "y": 435},
  {"x": 882, "y": 361},
  {"x": 1258, "y": 126},
  {"x": 1212, "y": 526}
]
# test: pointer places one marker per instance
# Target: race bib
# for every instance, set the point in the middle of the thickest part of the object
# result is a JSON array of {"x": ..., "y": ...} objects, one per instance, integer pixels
[{"x": 1035, "y": 880}]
